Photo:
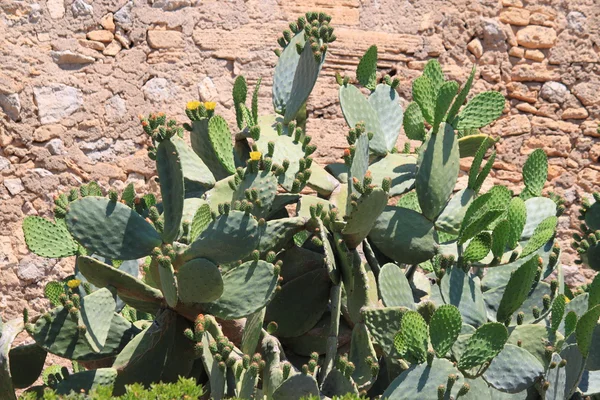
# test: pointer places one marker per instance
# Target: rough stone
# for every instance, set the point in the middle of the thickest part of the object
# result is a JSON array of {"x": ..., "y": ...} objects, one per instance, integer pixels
[
  {"x": 56, "y": 8},
  {"x": 56, "y": 102},
  {"x": 103, "y": 36},
  {"x": 536, "y": 37},
  {"x": 520, "y": 91},
  {"x": 575, "y": 113},
  {"x": 534, "y": 73},
  {"x": 4, "y": 163},
  {"x": 115, "y": 108},
  {"x": 47, "y": 132},
  {"x": 512, "y": 125},
  {"x": 32, "y": 269},
  {"x": 171, "y": 5},
  {"x": 475, "y": 47},
  {"x": 108, "y": 22},
  {"x": 91, "y": 44},
  {"x": 14, "y": 186},
  {"x": 123, "y": 17},
  {"x": 158, "y": 89},
  {"x": 161, "y": 39},
  {"x": 554, "y": 92},
  {"x": 588, "y": 92},
  {"x": 516, "y": 52},
  {"x": 534, "y": 55},
  {"x": 207, "y": 90},
  {"x": 81, "y": 9},
  {"x": 515, "y": 16},
  {"x": 69, "y": 57},
  {"x": 577, "y": 21},
  {"x": 112, "y": 49},
  {"x": 55, "y": 147},
  {"x": 11, "y": 105}
]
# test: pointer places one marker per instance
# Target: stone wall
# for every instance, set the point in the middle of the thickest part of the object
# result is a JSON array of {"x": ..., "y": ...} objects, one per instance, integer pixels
[{"x": 75, "y": 74}]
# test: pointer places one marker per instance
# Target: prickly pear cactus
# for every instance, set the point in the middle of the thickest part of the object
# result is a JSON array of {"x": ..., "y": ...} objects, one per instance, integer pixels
[{"x": 388, "y": 282}]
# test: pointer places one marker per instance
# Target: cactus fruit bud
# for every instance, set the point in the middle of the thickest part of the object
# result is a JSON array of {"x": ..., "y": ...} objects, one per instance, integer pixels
[
  {"x": 81, "y": 329},
  {"x": 552, "y": 365},
  {"x": 452, "y": 378},
  {"x": 312, "y": 365},
  {"x": 520, "y": 318},
  {"x": 189, "y": 334},
  {"x": 430, "y": 357},
  {"x": 441, "y": 392},
  {"x": 463, "y": 390},
  {"x": 562, "y": 363},
  {"x": 25, "y": 316},
  {"x": 272, "y": 327},
  {"x": 287, "y": 367},
  {"x": 270, "y": 257},
  {"x": 76, "y": 300},
  {"x": 553, "y": 286},
  {"x": 545, "y": 386},
  {"x": 546, "y": 301},
  {"x": 113, "y": 196},
  {"x": 536, "y": 312},
  {"x": 305, "y": 369},
  {"x": 386, "y": 184}
]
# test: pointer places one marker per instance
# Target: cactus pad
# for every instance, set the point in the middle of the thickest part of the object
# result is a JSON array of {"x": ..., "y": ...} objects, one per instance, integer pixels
[
  {"x": 437, "y": 171},
  {"x": 517, "y": 289},
  {"x": 584, "y": 331},
  {"x": 517, "y": 217},
  {"x": 97, "y": 311},
  {"x": 478, "y": 248},
  {"x": 513, "y": 370},
  {"x": 424, "y": 95},
  {"x": 454, "y": 212},
  {"x": 48, "y": 239},
  {"x": 111, "y": 229},
  {"x": 400, "y": 168},
  {"x": 296, "y": 387},
  {"x": 197, "y": 176},
  {"x": 247, "y": 289},
  {"x": 535, "y": 173},
  {"x": 87, "y": 380},
  {"x": 170, "y": 174},
  {"x": 366, "y": 72},
  {"x": 482, "y": 110},
  {"x": 541, "y": 235},
  {"x": 220, "y": 139},
  {"x": 394, "y": 288},
  {"x": 537, "y": 210},
  {"x": 199, "y": 281},
  {"x": 487, "y": 341},
  {"x": 404, "y": 235},
  {"x": 411, "y": 341},
  {"x": 202, "y": 218},
  {"x": 444, "y": 328},
  {"x": 362, "y": 217},
  {"x": 557, "y": 379},
  {"x": 447, "y": 92},
  {"x": 26, "y": 364},
  {"x": 414, "y": 128},
  {"x": 463, "y": 290},
  {"x": 386, "y": 103},
  {"x": 383, "y": 323}
]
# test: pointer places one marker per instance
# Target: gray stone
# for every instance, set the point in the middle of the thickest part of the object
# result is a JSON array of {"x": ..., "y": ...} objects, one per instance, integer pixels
[
  {"x": 158, "y": 89},
  {"x": 14, "y": 186},
  {"x": 123, "y": 17},
  {"x": 56, "y": 102},
  {"x": 4, "y": 163},
  {"x": 207, "y": 90},
  {"x": 97, "y": 145},
  {"x": 11, "y": 105},
  {"x": 55, "y": 147},
  {"x": 577, "y": 21},
  {"x": 81, "y": 9},
  {"x": 115, "y": 109},
  {"x": 554, "y": 92},
  {"x": 171, "y": 5},
  {"x": 494, "y": 35},
  {"x": 70, "y": 57},
  {"x": 32, "y": 269},
  {"x": 41, "y": 172},
  {"x": 29, "y": 209}
]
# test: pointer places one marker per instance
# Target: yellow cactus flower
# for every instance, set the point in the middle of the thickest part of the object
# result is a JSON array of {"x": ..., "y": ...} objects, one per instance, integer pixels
[
  {"x": 192, "y": 105},
  {"x": 73, "y": 283},
  {"x": 567, "y": 300},
  {"x": 210, "y": 105},
  {"x": 255, "y": 155}
]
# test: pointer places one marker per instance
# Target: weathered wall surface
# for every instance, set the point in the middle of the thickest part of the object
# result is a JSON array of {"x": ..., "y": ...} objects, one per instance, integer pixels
[{"x": 75, "y": 74}]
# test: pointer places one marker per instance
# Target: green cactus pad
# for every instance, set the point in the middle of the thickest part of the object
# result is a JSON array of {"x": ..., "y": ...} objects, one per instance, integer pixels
[
  {"x": 202, "y": 146},
  {"x": 534, "y": 338},
  {"x": 444, "y": 328},
  {"x": 446, "y": 93},
  {"x": 111, "y": 229},
  {"x": 517, "y": 217},
  {"x": 366, "y": 71},
  {"x": 383, "y": 323},
  {"x": 424, "y": 95},
  {"x": 60, "y": 335},
  {"x": 26, "y": 364},
  {"x": 412, "y": 339},
  {"x": 485, "y": 344},
  {"x": 386, "y": 103},
  {"x": 454, "y": 212},
  {"x": 414, "y": 128},
  {"x": 202, "y": 218},
  {"x": 305, "y": 77},
  {"x": 338, "y": 384},
  {"x": 361, "y": 290},
  {"x": 513, "y": 370},
  {"x": 48, "y": 239},
  {"x": 584, "y": 331},
  {"x": 537, "y": 210},
  {"x": 535, "y": 172},
  {"x": 557, "y": 378},
  {"x": 517, "y": 289},
  {"x": 494, "y": 297},
  {"x": 283, "y": 78},
  {"x": 196, "y": 175},
  {"x": 170, "y": 174},
  {"x": 433, "y": 71},
  {"x": 53, "y": 290},
  {"x": 575, "y": 365},
  {"x": 422, "y": 381},
  {"x": 87, "y": 380},
  {"x": 361, "y": 348},
  {"x": 437, "y": 171},
  {"x": 277, "y": 234},
  {"x": 228, "y": 238},
  {"x": 128, "y": 287},
  {"x": 199, "y": 281},
  {"x": 168, "y": 284},
  {"x": 404, "y": 235},
  {"x": 558, "y": 310},
  {"x": 294, "y": 312},
  {"x": 463, "y": 291},
  {"x": 360, "y": 164},
  {"x": 541, "y": 235},
  {"x": 460, "y": 99},
  {"x": 356, "y": 108},
  {"x": 362, "y": 217},
  {"x": 482, "y": 110},
  {"x": 220, "y": 139},
  {"x": 97, "y": 310},
  {"x": 247, "y": 289},
  {"x": 297, "y": 387},
  {"x": 483, "y": 211},
  {"x": 400, "y": 168},
  {"x": 468, "y": 145},
  {"x": 265, "y": 184},
  {"x": 252, "y": 331},
  {"x": 478, "y": 248},
  {"x": 394, "y": 288},
  {"x": 500, "y": 237}
]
